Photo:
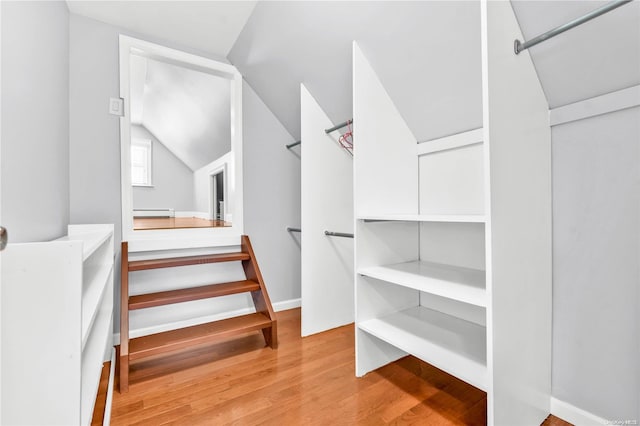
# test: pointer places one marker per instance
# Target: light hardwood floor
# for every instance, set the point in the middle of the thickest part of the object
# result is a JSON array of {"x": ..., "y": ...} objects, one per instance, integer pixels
[
  {"x": 306, "y": 381},
  {"x": 147, "y": 223}
]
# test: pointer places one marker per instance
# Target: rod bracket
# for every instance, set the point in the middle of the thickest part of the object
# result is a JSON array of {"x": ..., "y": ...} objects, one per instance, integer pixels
[{"x": 517, "y": 46}]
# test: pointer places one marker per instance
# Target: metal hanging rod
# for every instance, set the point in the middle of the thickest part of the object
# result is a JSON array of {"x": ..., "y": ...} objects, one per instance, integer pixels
[
  {"x": 339, "y": 126},
  {"x": 290, "y": 229},
  {"x": 291, "y": 145},
  {"x": 338, "y": 234},
  {"x": 519, "y": 46}
]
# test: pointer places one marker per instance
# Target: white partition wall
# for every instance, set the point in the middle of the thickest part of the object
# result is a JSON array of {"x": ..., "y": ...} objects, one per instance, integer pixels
[
  {"x": 385, "y": 185},
  {"x": 327, "y": 205},
  {"x": 516, "y": 123},
  {"x": 457, "y": 269},
  {"x": 385, "y": 151}
]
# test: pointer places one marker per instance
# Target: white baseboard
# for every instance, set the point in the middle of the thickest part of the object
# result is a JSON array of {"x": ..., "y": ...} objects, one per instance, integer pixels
[
  {"x": 287, "y": 304},
  {"x": 153, "y": 213},
  {"x": 278, "y": 306},
  {"x": 575, "y": 415}
]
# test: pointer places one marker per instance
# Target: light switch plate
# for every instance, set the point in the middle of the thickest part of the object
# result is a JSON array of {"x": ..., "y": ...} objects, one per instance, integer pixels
[{"x": 116, "y": 106}]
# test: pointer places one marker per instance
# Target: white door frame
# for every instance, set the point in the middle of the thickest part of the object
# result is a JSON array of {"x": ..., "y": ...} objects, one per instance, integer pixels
[
  {"x": 1, "y": 345},
  {"x": 213, "y": 208},
  {"x": 194, "y": 237}
]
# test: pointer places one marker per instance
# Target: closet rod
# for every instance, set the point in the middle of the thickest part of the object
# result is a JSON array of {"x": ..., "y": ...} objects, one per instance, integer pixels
[
  {"x": 338, "y": 234},
  {"x": 291, "y": 145},
  {"x": 339, "y": 126},
  {"x": 290, "y": 229},
  {"x": 519, "y": 46}
]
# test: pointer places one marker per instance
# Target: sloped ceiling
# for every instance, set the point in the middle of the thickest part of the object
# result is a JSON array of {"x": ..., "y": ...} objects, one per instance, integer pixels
[
  {"x": 209, "y": 26},
  {"x": 598, "y": 57},
  {"x": 422, "y": 51},
  {"x": 188, "y": 111},
  {"x": 427, "y": 53}
]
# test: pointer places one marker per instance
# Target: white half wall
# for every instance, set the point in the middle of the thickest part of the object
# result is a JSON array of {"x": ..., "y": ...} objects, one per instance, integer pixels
[{"x": 327, "y": 205}]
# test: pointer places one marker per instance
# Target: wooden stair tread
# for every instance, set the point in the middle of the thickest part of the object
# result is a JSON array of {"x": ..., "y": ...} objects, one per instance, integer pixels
[
  {"x": 192, "y": 293},
  {"x": 139, "y": 265},
  {"x": 169, "y": 341}
]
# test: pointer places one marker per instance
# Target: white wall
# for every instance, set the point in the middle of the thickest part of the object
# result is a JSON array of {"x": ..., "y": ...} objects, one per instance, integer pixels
[
  {"x": 596, "y": 272},
  {"x": 94, "y": 134},
  {"x": 35, "y": 120},
  {"x": 272, "y": 194},
  {"x": 271, "y": 197},
  {"x": 172, "y": 179},
  {"x": 94, "y": 145}
]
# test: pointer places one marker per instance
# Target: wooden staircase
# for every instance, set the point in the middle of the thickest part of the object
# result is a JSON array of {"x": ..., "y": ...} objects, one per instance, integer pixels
[{"x": 263, "y": 319}]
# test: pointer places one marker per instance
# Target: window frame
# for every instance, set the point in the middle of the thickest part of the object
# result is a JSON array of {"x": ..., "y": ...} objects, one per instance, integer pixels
[{"x": 147, "y": 145}]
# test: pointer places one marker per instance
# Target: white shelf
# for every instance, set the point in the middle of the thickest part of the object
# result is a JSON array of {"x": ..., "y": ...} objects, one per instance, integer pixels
[
  {"x": 456, "y": 346},
  {"x": 73, "y": 278},
  {"x": 92, "y": 360},
  {"x": 92, "y": 296},
  {"x": 465, "y": 218},
  {"x": 457, "y": 283},
  {"x": 91, "y": 241}
]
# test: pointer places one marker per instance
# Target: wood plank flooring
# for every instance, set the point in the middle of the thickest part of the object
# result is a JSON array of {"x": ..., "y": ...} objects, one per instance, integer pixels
[
  {"x": 142, "y": 223},
  {"x": 306, "y": 381}
]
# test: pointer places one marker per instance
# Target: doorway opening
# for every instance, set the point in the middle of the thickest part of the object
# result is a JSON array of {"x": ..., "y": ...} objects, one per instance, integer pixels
[{"x": 217, "y": 196}]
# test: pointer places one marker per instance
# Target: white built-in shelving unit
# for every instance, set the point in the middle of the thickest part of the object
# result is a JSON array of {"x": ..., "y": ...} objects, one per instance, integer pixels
[
  {"x": 453, "y": 235},
  {"x": 57, "y": 317}
]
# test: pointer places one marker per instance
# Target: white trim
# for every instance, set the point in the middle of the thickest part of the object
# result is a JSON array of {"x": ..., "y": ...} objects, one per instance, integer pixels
[
  {"x": 142, "y": 240},
  {"x": 160, "y": 212},
  {"x": 611, "y": 102},
  {"x": 1, "y": 214},
  {"x": 285, "y": 305},
  {"x": 575, "y": 415},
  {"x": 277, "y": 307},
  {"x": 160, "y": 242},
  {"x": 458, "y": 140},
  {"x": 106, "y": 421},
  {"x": 222, "y": 164}
]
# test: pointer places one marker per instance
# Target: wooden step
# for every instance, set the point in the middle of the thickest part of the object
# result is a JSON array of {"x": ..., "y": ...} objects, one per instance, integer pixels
[
  {"x": 193, "y": 293},
  {"x": 170, "y": 341},
  {"x": 140, "y": 265}
]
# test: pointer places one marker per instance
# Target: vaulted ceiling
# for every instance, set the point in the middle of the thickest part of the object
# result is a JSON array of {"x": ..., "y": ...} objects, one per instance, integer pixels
[
  {"x": 427, "y": 53},
  {"x": 188, "y": 111}
]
